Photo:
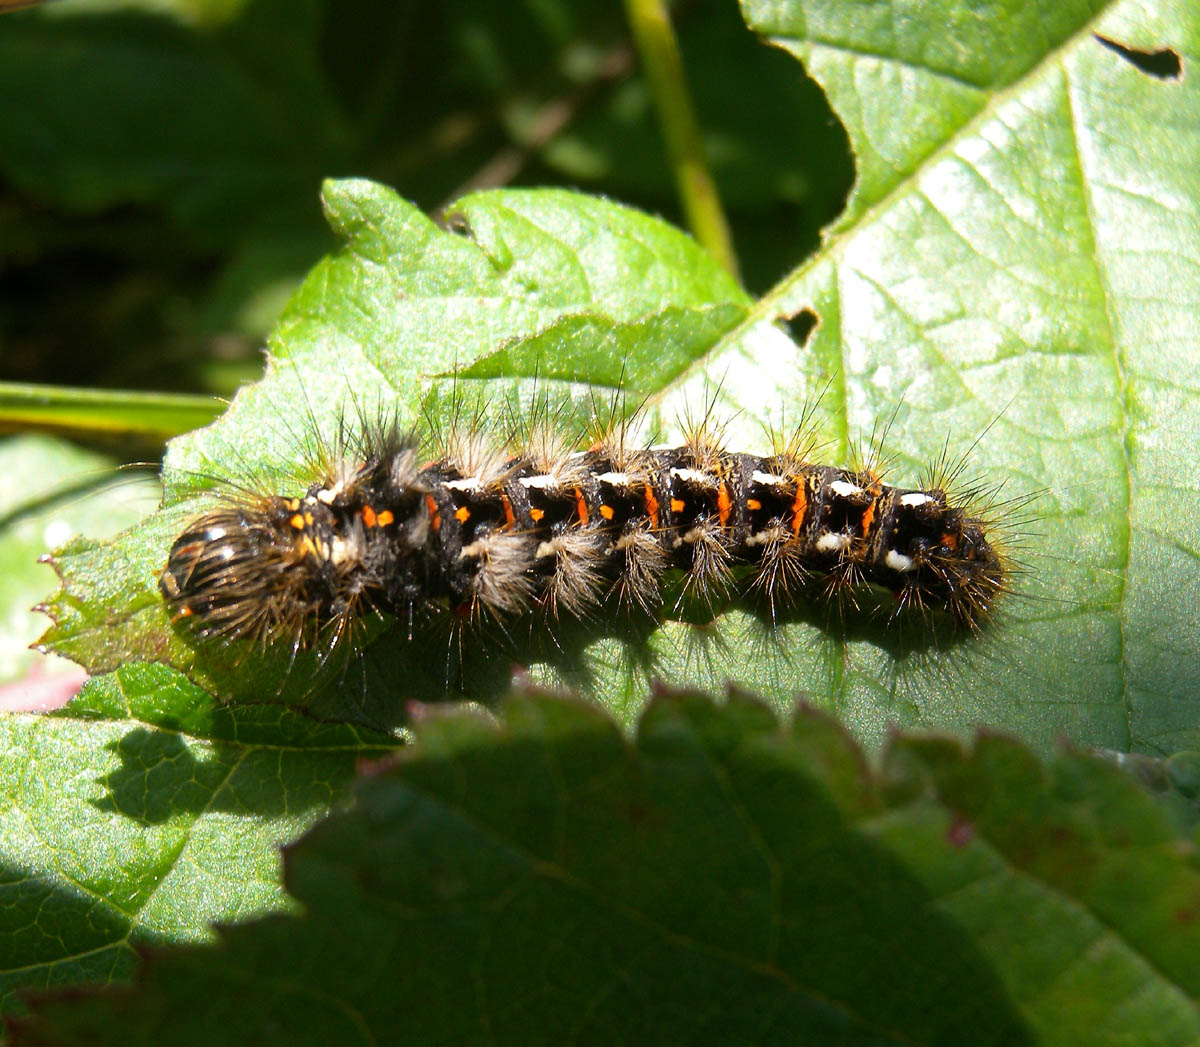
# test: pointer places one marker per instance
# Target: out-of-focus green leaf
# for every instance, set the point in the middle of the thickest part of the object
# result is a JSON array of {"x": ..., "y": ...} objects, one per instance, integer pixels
[
  {"x": 160, "y": 162},
  {"x": 782, "y": 165},
  {"x": 905, "y": 86},
  {"x": 718, "y": 879},
  {"x": 53, "y": 491}
]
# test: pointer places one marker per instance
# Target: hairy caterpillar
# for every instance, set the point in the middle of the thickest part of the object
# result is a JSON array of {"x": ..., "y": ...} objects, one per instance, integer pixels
[{"x": 497, "y": 533}]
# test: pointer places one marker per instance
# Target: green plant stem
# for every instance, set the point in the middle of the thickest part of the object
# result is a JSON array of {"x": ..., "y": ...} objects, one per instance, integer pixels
[
  {"x": 103, "y": 412},
  {"x": 659, "y": 51}
]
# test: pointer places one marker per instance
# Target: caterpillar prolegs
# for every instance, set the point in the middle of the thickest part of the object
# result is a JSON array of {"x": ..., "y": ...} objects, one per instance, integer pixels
[{"x": 497, "y": 534}]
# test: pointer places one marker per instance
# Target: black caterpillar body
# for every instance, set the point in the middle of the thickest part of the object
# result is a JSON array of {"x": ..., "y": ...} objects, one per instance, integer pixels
[{"x": 495, "y": 534}]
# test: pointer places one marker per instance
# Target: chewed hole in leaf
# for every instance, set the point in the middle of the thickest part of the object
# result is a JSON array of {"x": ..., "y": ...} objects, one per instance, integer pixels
[
  {"x": 802, "y": 324},
  {"x": 1164, "y": 64}
]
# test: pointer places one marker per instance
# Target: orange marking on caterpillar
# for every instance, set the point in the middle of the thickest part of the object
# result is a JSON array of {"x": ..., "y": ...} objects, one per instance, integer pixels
[
  {"x": 297, "y": 522},
  {"x": 509, "y": 517},
  {"x": 368, "y": 516},
  {"x": 753, "y": 504},
  {"x": 676, "y": 505},
  {"x": 607, "y": 511},
  {"x": 537, "y": 515},
  {"x": 581, "y": 507},
  {"x": 799, "y": 507},
  {"x": 462, "y": 514},
  {"x": 651, "y": 505},
  {"x": 724, "y": 504},
  {"x": 435, "y": 517},
  {"x": 386, "y": 517},
  {"x": 868, "y": 516}
]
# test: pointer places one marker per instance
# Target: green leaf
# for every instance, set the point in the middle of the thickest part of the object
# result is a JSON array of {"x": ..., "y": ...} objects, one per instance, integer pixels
[
  {"x": 1027, "y": 286},
  {"x": 1021, "y": 249},
  {"x": 718, "y": 879},
  {"x": 906, "y": 87},
  {"x": 144, "y": 813}
]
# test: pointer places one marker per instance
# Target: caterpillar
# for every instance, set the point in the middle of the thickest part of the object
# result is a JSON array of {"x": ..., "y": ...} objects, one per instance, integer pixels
[{"x": 494, "y": 534}]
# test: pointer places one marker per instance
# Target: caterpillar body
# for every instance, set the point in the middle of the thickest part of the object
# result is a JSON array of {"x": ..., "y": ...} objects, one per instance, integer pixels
[{"x": 493, "y": 534}]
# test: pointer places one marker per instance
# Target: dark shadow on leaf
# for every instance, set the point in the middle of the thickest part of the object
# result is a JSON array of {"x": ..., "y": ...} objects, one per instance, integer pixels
[
  {"x": 160, "y": 777},
  {"x": 439, "y": 659},
  {"x": 695, "y": 864},
  {"x": 56, "y": 933},
  {"x": 44, "y": 921},
  {"x": 448, "y": 661}
]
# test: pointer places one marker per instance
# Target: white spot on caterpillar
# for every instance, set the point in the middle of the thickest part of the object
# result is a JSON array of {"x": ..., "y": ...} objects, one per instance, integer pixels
[
  {"x": 832, "y": 542},
  {"x": 768, "y": 479},
  {"x": 694, "y": 476},
  {"x": 899, "y": 562},
  {"x": 470, "y": 483},
  {"x": 539, "y": 483},
  {"x": 845, "y": 490},
  {"x": 615, "y": 479},
  {"x": 915, "y": 500}
]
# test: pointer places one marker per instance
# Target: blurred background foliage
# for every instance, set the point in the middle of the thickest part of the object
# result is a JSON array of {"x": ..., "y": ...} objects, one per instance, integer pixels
[{"x": 160, "y": 160}]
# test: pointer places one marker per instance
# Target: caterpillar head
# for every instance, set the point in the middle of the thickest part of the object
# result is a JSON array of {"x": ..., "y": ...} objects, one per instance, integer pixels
[
  {"x": 286, "y": 568},
  {"x": 252, "y": 571},
  {"x": 948, "y": 561}
]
